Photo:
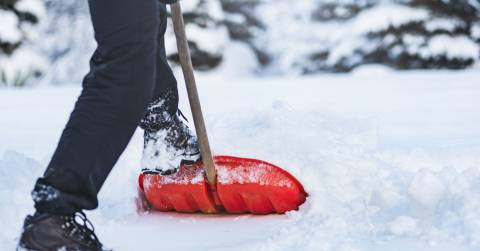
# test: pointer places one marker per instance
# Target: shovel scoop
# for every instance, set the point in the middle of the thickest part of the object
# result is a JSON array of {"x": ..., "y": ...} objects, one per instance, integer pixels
[
  {"x": 222, "y": 183},
  {"x": 243, "y": 186}
]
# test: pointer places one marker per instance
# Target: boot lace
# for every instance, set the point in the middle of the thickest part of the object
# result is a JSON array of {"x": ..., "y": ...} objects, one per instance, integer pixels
[
  {"x": 79, "y": 227},
  {"x": 179, "y": 112}
]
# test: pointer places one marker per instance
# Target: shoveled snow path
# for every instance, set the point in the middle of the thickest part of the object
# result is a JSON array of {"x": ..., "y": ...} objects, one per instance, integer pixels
[{"x": 391, "y": 161}]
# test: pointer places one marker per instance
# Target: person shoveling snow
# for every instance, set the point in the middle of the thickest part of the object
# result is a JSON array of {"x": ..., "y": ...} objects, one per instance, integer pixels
[{"x": 128, "y": 64}]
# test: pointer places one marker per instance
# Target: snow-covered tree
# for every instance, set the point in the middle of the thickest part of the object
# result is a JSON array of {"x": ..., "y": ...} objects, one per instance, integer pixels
[
  {"x": 68, "y": 37},
  {"x": 299, "y": 37},
  {"x": 20, "y": 62},
  {"x": 327, "y": 35},
  {"x": 437, "y": 34},
  {"x": 67, "y": 40},
  {"x": 206, "y": 32},
  {"x": 244, "y": 24}
]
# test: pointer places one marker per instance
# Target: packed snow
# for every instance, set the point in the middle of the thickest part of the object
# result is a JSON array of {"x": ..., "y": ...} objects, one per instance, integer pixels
[
  {"x": 158, "y": 156},
  {"x": 390, "y": 160}
]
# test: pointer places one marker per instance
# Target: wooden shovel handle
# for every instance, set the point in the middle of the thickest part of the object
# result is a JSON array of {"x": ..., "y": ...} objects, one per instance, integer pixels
[{"x": 187, "y": 68}]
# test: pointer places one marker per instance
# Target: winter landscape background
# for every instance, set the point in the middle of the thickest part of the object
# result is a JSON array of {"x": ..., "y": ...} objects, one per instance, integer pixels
[
  {"x": 272, "y": 37},
  {"x": 374, "y": 105}
]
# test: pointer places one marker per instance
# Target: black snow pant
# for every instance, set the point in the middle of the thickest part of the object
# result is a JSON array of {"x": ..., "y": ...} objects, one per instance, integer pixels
[{"x": 128, "y": 71}]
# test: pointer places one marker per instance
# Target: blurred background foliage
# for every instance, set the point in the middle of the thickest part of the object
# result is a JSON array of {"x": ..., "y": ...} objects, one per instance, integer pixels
[{"x": 50, "y": 41}]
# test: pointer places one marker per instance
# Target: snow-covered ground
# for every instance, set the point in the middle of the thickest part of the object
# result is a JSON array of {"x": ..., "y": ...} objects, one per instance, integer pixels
[{"x": 391, "y": 162}]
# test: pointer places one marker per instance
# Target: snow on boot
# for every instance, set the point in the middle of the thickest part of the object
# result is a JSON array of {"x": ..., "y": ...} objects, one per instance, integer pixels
[
  {"x": 46, "y": 232},
  {"x": 168, "y": 142}
]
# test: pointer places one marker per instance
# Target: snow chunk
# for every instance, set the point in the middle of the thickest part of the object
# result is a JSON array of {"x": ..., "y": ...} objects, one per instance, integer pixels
[
  {"x": 260, "y": 173},
  {"x": 386, "y": 195},
  {"x": 9, "y": 30},
  {"x": 404, "y": 226},
  {"x": 427, "y": 188},
  {"x": 45, "y": 193},
  {"x": 158, "y": 155}
]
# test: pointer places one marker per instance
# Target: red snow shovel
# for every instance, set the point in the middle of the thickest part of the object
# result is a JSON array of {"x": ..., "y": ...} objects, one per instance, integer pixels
[{"x": 221, "y": 183}]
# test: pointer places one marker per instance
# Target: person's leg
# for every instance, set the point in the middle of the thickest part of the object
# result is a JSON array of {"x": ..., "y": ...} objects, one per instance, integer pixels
[
  {"x": 165, "y": 82},
  {"x": 168, "y": 140},
  {"x": 115, "y": 96}
]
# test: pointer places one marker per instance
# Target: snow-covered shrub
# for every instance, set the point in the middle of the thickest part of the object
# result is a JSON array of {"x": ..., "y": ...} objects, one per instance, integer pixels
[
  {"x": 67, "y": 40},
  {"x": 329, "y": 10},
  {"x": 327, "y": 35},
  {"x": 206, "y": 32},
  {"x": 68, "y": 37},
  {"x": 287, "y": 36},
  {"x": 244, "y": 25},
  {"x": 20, "y": 62},
  {"x": 439, "y": 35}
]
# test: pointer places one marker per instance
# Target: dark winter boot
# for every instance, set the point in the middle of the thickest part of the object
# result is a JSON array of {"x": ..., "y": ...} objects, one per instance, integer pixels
[
  {"x": 46, "y": 232},
  {"x": 168, "y": 142}
]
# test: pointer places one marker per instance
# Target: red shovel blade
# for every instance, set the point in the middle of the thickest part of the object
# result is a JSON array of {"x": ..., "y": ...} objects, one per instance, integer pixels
[{"x": 243, "y": 186}]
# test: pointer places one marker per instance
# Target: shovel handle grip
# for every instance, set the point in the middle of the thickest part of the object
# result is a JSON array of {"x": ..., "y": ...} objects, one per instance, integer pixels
[{"x": 187, "y": 68}]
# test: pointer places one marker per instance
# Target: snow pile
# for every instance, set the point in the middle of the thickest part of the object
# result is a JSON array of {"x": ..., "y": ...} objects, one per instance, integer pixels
[
  {"x": 357, "y": 187},
  {"x": 382, "y": 173},
  {"x": 17, "y": 177}
]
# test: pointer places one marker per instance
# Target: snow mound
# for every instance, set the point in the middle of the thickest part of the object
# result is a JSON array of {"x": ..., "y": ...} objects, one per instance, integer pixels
[
  {"x": 17, "y": 177},
  {"x": 390, "y": 164}
]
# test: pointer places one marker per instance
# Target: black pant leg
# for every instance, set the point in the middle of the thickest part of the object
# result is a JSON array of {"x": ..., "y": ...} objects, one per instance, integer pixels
[
  {"x": 165, "y": 99},
  {"x": 165, "y": 83},
  {"x": 115, "y": 95}
]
